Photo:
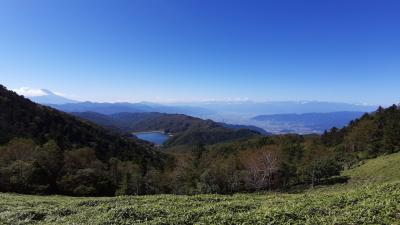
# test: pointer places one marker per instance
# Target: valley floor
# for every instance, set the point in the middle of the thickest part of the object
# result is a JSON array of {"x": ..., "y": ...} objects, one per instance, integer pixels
[{"x": 364, "y": 200}]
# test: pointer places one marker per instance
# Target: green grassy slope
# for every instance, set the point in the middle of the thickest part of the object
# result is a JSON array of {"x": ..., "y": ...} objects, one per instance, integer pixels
[
  {"x": 374, "y": 198},
  {"x": 382, "y": 169}
]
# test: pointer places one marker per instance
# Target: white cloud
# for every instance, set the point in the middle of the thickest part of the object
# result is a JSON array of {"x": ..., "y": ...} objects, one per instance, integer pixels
[{"x": 30, "y": 92}]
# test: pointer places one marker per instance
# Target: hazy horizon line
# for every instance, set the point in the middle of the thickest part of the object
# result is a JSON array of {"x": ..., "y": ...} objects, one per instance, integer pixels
[{"x": 38, "y": 92}]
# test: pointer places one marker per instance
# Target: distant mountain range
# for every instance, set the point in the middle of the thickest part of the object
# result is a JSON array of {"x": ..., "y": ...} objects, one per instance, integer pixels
[
  {"x": 67, "y": 105},
  {"x": 245, "y": 108},
  {"x": 277, "y": 117},
  {"x": 113, "y": 108}
]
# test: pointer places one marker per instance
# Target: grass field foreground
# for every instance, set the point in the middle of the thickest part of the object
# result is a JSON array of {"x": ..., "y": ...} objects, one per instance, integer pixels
[{"x": 371, "y": 199}]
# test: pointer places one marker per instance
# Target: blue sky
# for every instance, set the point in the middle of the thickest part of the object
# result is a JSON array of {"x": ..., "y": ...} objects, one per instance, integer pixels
[{"x": 169, "y": 50}]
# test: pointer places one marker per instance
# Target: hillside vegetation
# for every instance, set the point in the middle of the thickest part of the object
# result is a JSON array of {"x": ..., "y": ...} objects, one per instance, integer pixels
[
  {"x": 376, "y": 203},
  {"x": 43, "y": 150},
  {"x": 186, "y": 130}
]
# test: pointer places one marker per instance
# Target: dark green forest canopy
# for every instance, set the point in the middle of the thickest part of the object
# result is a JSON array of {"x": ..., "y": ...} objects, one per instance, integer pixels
[{"x": 372, "y": 135}]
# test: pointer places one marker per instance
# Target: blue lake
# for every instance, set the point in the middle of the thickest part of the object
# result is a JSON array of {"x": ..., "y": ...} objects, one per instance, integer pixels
[{"x": 153, "y": 136}]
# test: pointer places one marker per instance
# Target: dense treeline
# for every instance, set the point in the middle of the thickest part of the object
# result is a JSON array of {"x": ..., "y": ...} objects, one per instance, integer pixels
[
  {"x": 45, "y": 151},
  {"x": 371, "y": 135},
  {"x": 26, "y": 167},
  {"x": 265, "y": 163}
]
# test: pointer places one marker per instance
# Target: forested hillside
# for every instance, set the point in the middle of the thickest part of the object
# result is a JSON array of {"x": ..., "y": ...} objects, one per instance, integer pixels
[
  {"x": 121, "y": 122},
  {"x": 372, "y": 135},
  {"x": 186, "y": 130},
  {"x": 47, "y": 151}
]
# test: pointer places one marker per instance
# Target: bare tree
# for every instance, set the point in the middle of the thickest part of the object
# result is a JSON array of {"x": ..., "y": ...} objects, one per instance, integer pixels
[{"x": 262, "y": 165}]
